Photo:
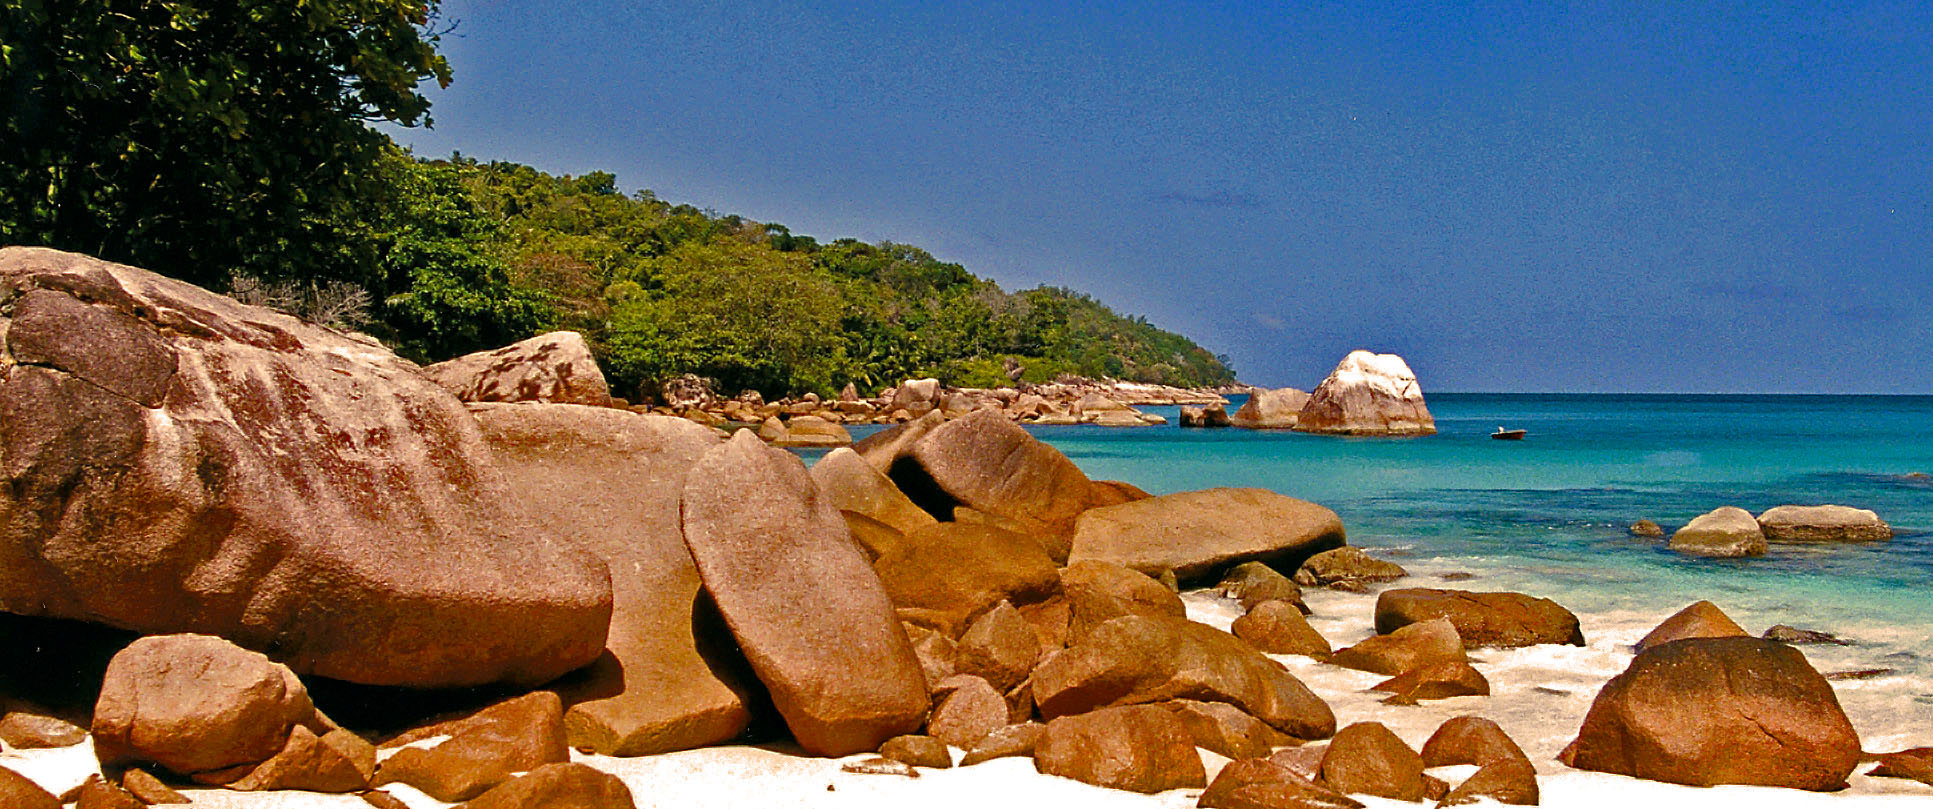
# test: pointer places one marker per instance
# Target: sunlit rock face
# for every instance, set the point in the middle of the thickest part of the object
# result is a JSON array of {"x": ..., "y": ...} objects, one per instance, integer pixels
[{"x": 1368, "y": 394}]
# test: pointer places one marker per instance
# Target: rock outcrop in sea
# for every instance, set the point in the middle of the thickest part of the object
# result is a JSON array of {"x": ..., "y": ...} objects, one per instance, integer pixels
[{"x": 1367, "y": 394}]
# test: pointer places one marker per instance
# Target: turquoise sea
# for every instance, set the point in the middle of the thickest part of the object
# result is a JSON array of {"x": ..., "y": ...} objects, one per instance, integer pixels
[{"x": 1548, "y": 515}]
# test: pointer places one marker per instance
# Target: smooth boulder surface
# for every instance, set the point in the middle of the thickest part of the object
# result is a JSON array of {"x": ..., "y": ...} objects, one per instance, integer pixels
[
  {"x": 1367, "y": 759},
  {"x": 958, "y": 569},
  {"x": 808, "y": 611},
  {"x": 558, "y": 786},
  {"x": 1511, "y": 781},
  {"x": 1138, "y": 659},
  {"x": 1278, "y": 628},
  {"x": 1138, "y": 748},
  {"x": 989, "y": 464},
  {"x": 845, "y": 478},
  {"x": 1254, "y": 582},
  {"x": 195, "y": 703},
  {"x": 556, "y": 367},
  {"x": 609, "y": 482},
  {"x": 1013, "y": 740},
  {"x": 967, "y": 713},
  {"x": 1406, "y": 649},
  {"x": 1702, "y": 619},
  {"x": 1000, "y": 646},
  {"x": 1434, "y": 681},
  {"x": 20, "y": 792},
  {"x": 1502, "y": 620},
  {"x": 1707, "y": 711},
  {"x": 1225, "y": 730},
  {"x": 184, "y": 463},
  {"x": 1367, "y": 394},
  {"x": 1647, "y": 529},
  {"x": 1347, "y": 564},
  {"x": 1259, "y": 783},
  {"x": 459, "y": 759},
  {"x": 26, "y": 728},
  {"x": 337, "y": 761},
  {"x": 1098, "y": 592},
  {"x": 1199, "y": 534},
  {"x": 1469, "y": 740},
  {"x": 1213, "y": 415},
  {"x": 1823, "y": 524},
  {"x": 1277, "y": 409},
  {"x": 916, "y": 396},
  {"x": 1726, "y": 533},
  {"x": 917, "y": 751}
]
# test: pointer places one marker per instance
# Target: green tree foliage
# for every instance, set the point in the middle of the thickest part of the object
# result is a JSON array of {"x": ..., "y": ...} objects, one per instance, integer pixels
[
  {"x": 205, "y": 137},
  {"x": 663, "y": 289}
]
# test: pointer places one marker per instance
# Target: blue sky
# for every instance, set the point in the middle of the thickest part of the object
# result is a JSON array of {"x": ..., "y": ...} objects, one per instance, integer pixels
[{"x": 1514, "y": 196}]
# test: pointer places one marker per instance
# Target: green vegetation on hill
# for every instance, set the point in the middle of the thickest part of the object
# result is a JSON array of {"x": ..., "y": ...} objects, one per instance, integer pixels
[{"x": 227, "y": 143}]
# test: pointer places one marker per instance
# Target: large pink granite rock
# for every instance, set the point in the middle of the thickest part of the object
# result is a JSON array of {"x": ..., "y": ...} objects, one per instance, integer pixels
[
  {"x": 1368, "y": 394},
  {"x": 181, "y": 462},
  {"x": 556, "y": 367}
]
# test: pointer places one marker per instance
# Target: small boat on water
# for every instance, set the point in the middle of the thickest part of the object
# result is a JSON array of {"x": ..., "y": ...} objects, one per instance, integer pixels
[{"x": 1508, "y": 435}]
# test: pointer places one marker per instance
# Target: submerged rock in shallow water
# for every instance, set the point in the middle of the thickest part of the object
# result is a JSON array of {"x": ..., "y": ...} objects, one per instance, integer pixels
[
  {"x": 1728, "y": 532},
  {"x": 1823, "y": 524}
]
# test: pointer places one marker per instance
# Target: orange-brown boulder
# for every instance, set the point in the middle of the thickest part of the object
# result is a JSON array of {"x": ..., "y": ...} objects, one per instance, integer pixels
[
  {"x": 786, "y": 575},
  {"x": 1259, "y": 783},
  {"x": 1137, "y": 659},
  {"x": 855, "y": 486},
  {"x": 1503, "y": 620},
  {"x": 1138, "y": 748},
  {"x": 960, "y": 569},
  {"x": 1000, "y": 646},
  {"x": 1507, "y": 781},
  {"x": 558, "y": 786},
  {"x": 1708, "y": 711},
  {"x": 1018, "y": 739},
  {"x": 1406, "y": 649},
  {"x": 1700, "y": 620},
  {"x": 1435, "y": 681},
  {"x": 19, "y": 792},
  {"x": 1469, "y": 740},
  {"x": 194, "y": 703},
  {"x": 967, "y": 713},
  {"x": 987, "y": 463},
  {"x": 609, "y": 482},
  {"x": 29, "y": 728},
  {"x": 338, "y": 761},
  {"x": 276, "y": 483},
  {"x": 478, "y": 751},
  {"x": 1916, "y": 764},
  {"x": 97, "y": 793},
  {"x": 1367, "y": 759},
  {"x": 1225, "y": 730},
  {"x": 1200, "y": 534},
  {"x": 1254, "y": 582},
  {"x": 1279, "y": 628},
  {"x": 883, "y": 448},
  {"x": 1102, "y": 493},
  {"x": 1098, "y": 592},
  {"x": 917, "y": 751},
  {"x": 556, "y": 367}
]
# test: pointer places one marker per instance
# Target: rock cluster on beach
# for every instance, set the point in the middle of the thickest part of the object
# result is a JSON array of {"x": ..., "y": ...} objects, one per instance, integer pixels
[
  {"x": 1732, "y": 532},
  {"x": 244, "y": 517}
]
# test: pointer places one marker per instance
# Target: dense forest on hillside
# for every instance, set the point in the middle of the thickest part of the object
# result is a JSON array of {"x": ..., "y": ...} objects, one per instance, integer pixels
[{"x": 228, "y": 144}]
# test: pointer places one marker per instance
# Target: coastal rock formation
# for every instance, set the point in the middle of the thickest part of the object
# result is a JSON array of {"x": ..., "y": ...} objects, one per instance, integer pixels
[
  {"x": 338, "y": 761},
  {"x": 1727, "y": 532},
  {"x": 1213, "y": 415},
  {"x": 1138, "y": 659},
  {"x": 196, "y": 704},
  {"x": 1367, "y": 759},
  {"x": 1707, "y": 711},
  {"x": 458, "y": 759},
  {"x": 1789, "y": 635},
  {"x": 1278, "y": 628},
  {"x": 20, "y": 792},
  {"x": 1511, "y": 782},
  {"x": 1198, "y": 534},
  {"x": 989, "y": 464},
  {"x": 955, "y": 570},
  {"x": 1702, "y": 619},
  {"x": 1407, "y": 649},
  {"x": 1259, "y": 783},
  {"x": 1224, "y": 729},
  {"x": 1013, "y": 740},
  {"x": 1000, "y": 646},
  {"x": 184, "y": 463},
  {"x": 1646, "y": 529},
  {"x": 1347, "y": 565},
  {"x": 804, "y": 431},
  {"x": 916, "y": 396},
  {"x": 1823, "y": 524},
  {"x": 1098, "y": 592},
  {"x": 1139, "y": 748},
  {"x": 1367, "y": 394},
  {"x": 1254, "y": 582},
  {"x": 1277, "y": 409},
  {"x": 27, "y": 728},
  {"x": 852, "y": 485},
  {"x": 766, "y": 544},
  {"x": 558, "y": 786},
  {"x": 917, "y": 751},
  {"x": 556, "y": 367},
  {"x": 1470, "y": 740},
  {"x": 1503, "y": 620},
  {"x": 609, "y": 482},
  {"x": 967, "y": 713},
  {"x": 1443, "y": 680}
]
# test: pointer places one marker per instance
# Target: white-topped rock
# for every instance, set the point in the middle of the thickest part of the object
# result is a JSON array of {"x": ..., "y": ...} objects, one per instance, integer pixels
[
  {"x": 1823, "y": 524},
  {"x": 1724, "y": 532},
  {"x": 1368, "y": 394},
  {"x": 1270, "y": 409}
]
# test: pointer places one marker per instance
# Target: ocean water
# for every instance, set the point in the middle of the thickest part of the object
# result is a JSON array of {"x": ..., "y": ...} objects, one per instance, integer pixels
[{"x": 1549, "y": 515}]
